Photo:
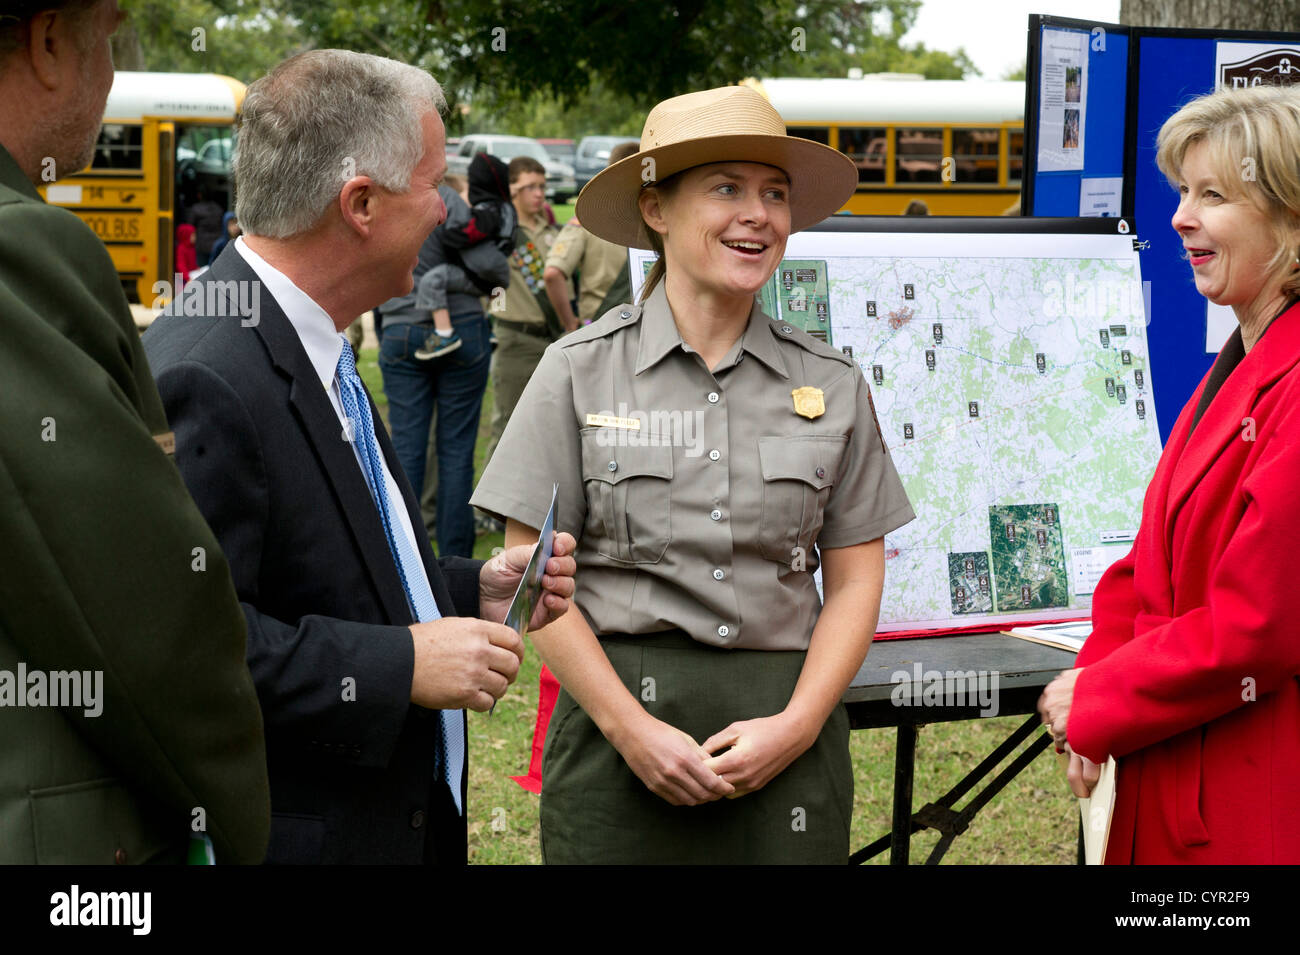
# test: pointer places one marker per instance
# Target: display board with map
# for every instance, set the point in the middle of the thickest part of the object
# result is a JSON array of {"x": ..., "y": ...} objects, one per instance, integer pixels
[{"x": 1011, "y": 378}]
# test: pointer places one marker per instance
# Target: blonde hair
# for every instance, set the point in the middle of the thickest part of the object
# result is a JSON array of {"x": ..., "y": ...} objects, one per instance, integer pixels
[
  {"x": 1253, "y": 137},
  {"x": 657, "y": 271}
]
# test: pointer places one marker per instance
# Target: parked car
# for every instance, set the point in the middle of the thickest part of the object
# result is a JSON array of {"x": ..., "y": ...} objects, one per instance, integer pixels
[
  {"x": 561, "y": 149},
  {"x": 559, "y": 176},
  {"x": 593, "y": 156}
]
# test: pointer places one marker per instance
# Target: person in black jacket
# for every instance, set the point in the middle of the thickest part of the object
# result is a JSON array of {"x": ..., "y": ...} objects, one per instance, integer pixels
[
  {"x": 365, "y": 650},
  {"x": 477, "y": 247}
]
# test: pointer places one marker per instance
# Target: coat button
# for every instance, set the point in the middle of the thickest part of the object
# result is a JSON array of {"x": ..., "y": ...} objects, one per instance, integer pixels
[
  {"x": 787, "y": 329},
  {"x": 717, "y": 573},
  {"x": 715, "y": 514},
  {"x": 417, "y": 819},
  {"x": 723, "y": 630},
  {"x": 119, "y": 857},
  {"x": 625, "y": 314},
  {"x": 713, "y": 397},
  {"x": 715, "y": 454},
  {"x": 821, "y": 472},
  {"x": 613, "y": 465}
]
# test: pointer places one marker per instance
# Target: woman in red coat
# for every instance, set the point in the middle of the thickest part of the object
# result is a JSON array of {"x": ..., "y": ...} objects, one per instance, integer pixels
[{"x": 1190, "y": 676}]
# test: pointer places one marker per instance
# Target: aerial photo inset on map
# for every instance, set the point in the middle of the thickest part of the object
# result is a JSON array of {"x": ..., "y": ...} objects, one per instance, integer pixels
[
  {"x": 969, "y": 582},
  {"x": 1028, "y": 557},
  {"x": 798, "y": 294}
]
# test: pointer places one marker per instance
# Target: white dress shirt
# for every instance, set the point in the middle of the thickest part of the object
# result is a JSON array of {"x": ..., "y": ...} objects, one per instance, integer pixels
[{"x": 323, "y": 344}]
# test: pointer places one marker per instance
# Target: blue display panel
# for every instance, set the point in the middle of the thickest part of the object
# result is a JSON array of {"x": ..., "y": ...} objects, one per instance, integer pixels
[
  {"x": 1172, "y": 71},
  {"x": 1057, "y": 193}
]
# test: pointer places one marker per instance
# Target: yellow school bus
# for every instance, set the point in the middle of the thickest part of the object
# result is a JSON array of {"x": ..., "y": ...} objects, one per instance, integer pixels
[
  {"x": 167, "y": 139},
  {"x": 957, "y": 145}
]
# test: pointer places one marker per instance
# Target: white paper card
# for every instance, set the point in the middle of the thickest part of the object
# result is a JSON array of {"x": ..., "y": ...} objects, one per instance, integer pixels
[
  {"x": 1100, "y": 197},
  {"x": 1087, "y": 564},
  {"x": 1063, "y": 100}
]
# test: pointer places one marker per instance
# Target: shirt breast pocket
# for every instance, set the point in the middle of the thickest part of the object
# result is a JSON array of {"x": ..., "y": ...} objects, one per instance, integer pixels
[
  {"x": 629, "y": 495},
  {"x": 799, "y": 472}
]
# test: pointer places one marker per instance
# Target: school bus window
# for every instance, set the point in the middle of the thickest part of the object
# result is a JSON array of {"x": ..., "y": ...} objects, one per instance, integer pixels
[
  {"x": 976, "y": 154},
  {"x": 818, "y": 134},
  {"x": 920, "y": 153},
  {"x": 867, "y": 148},
  {"x": 119, "y": 147},
  {"x": 1015, "y": 154}
]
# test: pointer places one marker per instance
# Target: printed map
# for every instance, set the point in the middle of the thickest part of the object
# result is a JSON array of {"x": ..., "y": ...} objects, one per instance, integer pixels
[{"x": 1011, "y": 378}]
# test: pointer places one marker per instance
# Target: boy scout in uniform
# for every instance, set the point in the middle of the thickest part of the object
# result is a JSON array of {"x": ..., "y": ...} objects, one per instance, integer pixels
[
  {"x": 519, "y": 320},
  {"x": 596, "y": 262},
  {"x": 111, "y": 584}
]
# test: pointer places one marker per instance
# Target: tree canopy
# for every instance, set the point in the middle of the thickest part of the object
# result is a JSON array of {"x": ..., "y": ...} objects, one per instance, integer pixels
[{"x": 544, "y": 67}]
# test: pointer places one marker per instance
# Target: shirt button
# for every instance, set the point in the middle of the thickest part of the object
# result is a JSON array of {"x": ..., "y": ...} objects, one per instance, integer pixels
[
  {"x": 717, "y": 573},
  {"x": 723, "y": 630},
  {"x": 713, "y": 397},
  {"x": 715, "y": 454},
  {"x": 417, "y": 819},
  {"x": 715, "y": 514},
  {"x": 821, "y": 472},
  {"x": 613, "y": 465}
]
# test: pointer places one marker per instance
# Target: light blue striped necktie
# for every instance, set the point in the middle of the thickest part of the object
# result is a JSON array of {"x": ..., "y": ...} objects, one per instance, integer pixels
[{"x": 356, "y": 405}]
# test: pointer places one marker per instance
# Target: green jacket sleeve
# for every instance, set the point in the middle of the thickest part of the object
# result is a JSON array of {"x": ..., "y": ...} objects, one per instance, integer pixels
[{"x": 107, "y": 564}]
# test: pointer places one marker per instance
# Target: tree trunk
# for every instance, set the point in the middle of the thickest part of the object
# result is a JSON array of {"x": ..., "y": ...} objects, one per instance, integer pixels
[
  {"x": 1282, "y": 16},
  {"x": 127, "y": 51}
]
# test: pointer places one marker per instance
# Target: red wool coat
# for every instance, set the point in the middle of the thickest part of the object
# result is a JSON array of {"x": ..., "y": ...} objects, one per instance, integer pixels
[{"x": 1190, "y": 676}]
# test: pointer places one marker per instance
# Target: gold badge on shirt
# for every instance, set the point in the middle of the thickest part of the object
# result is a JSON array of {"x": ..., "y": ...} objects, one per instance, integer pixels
[{"x": 809, "y": 402}]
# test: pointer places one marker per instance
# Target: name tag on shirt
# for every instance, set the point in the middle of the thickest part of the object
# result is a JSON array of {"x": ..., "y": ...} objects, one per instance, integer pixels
[{"x": 610, "y": 421}]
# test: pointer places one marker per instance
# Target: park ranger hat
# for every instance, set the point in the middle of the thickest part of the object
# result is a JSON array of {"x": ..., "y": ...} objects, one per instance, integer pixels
[{"x": 731, "y": 124}]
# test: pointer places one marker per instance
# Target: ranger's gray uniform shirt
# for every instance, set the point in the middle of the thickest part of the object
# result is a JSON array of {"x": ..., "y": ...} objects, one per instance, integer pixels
[{"x": 705, "y": 517}]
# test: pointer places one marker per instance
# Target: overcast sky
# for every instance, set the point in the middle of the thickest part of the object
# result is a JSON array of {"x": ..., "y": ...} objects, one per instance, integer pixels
[{"x": 993, "y": 31}]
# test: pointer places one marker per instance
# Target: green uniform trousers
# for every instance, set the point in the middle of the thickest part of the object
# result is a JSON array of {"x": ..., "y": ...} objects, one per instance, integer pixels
[{"x": 596, "y": 810}]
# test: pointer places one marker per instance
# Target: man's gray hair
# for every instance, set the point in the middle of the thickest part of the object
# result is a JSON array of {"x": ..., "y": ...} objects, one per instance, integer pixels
[{"x": 317, "y": 120}]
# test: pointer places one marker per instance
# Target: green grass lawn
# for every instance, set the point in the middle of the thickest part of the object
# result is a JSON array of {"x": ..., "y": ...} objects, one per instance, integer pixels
[{"x": 1033, "y": 820}]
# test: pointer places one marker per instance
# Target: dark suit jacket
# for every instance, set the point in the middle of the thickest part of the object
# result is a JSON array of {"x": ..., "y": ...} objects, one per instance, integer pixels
[
  {"x": 101, "y": 569},
  {"x": 261, "y": 449}
]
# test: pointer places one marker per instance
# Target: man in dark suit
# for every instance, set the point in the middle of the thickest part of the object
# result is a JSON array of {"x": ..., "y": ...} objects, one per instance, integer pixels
[
  {"x": 364, "y": 648},
  {"x": 107, "y": 569}
]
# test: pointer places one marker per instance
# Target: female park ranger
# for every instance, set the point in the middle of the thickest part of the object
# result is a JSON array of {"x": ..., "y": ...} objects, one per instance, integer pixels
[{"x": 708, "y": 459}]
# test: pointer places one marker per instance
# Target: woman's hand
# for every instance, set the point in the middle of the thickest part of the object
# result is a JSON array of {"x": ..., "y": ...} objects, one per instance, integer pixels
[
  {"x": 1082, "y": 774},
  {"x": 672, "y": 765},
  {"x": 1054, "y": 704},
  {"x": 759, "y": 750}
]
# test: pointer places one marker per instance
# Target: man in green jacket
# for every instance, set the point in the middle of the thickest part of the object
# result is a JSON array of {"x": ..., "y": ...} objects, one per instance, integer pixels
[{"x": 128, "y": 718}]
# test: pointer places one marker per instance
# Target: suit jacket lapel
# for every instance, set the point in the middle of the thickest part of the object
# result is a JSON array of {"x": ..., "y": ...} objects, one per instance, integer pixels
[
  {"x": 1224, "y": 421},
  {"x": 316, "y": 415}
]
